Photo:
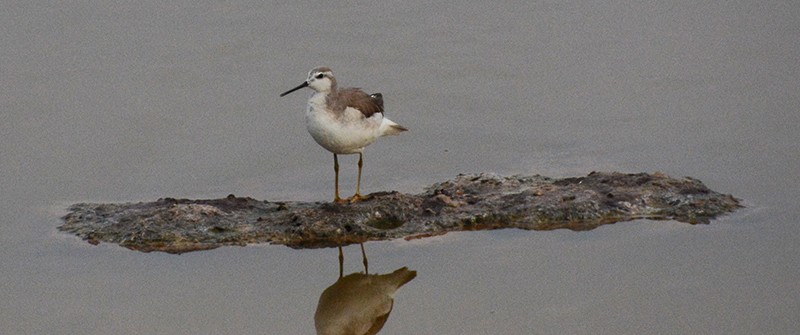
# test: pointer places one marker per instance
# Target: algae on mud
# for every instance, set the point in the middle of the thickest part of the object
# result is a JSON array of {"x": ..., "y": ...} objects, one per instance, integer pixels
[{"x": 468, "y": 202}]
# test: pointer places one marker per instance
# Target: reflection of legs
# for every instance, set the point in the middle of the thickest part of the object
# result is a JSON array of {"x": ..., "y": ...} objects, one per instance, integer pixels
[
  {"x": 341, "y": 262},
  {"x": 364, "y": 259}
]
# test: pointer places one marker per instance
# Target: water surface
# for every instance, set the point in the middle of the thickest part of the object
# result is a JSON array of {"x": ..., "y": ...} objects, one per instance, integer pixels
[{"x": 105, "y": 101}]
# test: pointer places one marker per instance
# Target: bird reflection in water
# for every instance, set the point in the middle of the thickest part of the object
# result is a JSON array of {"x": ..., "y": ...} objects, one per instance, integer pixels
[{"x": 359, "y": 303}]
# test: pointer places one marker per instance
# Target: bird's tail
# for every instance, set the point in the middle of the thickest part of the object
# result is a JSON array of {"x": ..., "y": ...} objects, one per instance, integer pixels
[
  {"x": 389, "y": 127},
  {"x": 402, "y": 276}
]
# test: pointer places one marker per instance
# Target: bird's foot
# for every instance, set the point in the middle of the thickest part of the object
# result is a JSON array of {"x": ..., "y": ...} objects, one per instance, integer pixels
[
  {"x": 357, "y": 197},
  {"x": 351, "y": 200}
]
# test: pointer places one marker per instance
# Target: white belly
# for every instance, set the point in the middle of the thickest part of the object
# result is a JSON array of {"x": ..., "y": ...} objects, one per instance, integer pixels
[{"x": 342, "y": 134}]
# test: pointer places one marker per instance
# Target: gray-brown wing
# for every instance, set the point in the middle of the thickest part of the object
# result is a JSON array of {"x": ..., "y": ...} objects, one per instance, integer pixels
[
  {"x": 358, "y": 99},
  {"x": 378, "y": 99}
]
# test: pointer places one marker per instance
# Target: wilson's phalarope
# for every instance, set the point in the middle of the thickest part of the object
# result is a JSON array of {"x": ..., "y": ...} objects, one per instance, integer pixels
[{"x": 344, "y": 121}]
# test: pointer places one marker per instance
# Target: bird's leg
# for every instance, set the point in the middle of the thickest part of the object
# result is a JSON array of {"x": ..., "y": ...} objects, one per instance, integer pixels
[
  {"x": 336, "y": 197},
  {"x": 357, "y": 196},
  {"x": 364, "y": 256}
]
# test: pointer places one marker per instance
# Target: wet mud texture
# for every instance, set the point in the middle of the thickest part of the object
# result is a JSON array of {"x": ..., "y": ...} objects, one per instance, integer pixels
[{"x": 468, "y": 202}]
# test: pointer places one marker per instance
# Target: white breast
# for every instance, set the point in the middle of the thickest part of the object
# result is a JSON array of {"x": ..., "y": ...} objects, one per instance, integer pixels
[{"x": 346, "y": 133}]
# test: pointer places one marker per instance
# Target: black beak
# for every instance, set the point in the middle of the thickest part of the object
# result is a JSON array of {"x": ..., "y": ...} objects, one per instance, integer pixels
[{"x": 304, "y": 84}]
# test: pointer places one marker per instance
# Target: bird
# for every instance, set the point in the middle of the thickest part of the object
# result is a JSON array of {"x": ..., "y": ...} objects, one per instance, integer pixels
[{"x": 344, "y": 121}]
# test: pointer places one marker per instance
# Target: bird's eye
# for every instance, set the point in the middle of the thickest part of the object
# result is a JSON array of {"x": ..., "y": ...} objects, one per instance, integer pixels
[{"x": 319, "y": 76}]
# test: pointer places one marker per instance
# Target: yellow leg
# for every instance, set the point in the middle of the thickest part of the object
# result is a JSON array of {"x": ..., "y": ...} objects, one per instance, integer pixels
[
  {"x": 336, "y": 197},
  {"x": 358, "y": 183},
  {"x": 357, "y": 197}
]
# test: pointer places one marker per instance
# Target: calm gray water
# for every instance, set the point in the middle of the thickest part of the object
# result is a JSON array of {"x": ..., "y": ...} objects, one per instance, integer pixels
[{"x": 132, "y": 101}]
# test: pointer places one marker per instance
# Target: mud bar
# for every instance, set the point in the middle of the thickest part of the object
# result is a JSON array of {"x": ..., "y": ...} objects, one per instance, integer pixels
[{"x": 468, "y": 202}]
